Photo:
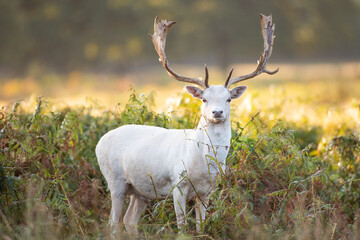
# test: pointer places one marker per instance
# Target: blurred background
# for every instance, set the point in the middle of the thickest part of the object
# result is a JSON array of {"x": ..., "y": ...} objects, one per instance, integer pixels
[{"x": 70, "y": 50}]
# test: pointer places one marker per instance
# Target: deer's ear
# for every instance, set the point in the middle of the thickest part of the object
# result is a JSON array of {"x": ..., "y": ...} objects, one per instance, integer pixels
[
  {"x": 237, "y": 92},
  {"x": 196, "y": 92}
]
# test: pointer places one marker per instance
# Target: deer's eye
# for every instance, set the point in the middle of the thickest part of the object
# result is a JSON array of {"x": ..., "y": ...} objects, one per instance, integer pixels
[
  {"x": 229, "y": 100},
  {"x": 204, "y": 100}
]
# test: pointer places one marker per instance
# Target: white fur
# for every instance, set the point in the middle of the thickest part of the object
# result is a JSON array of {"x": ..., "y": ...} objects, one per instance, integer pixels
[{"x": 181, "y": 164}]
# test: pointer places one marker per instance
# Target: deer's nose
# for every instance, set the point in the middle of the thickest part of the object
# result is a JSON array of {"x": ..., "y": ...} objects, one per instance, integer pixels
[{"x": 217, "y": 113}]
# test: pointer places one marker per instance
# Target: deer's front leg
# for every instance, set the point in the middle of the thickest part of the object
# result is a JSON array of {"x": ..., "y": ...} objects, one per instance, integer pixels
[
  {"x": 179, "y": 196},
  {"x": 200, "y": 211}
]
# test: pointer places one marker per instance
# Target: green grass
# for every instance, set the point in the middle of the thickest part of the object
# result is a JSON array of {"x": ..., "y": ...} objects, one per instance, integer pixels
[{"x": 286, "y": 178}]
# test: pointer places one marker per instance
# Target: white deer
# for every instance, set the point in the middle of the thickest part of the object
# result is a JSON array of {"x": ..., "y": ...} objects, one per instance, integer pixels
[{"x": 146, "y": 162}]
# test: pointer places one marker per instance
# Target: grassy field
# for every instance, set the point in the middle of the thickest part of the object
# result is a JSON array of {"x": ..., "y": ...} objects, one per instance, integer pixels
[{"x": 293, "y": 171}]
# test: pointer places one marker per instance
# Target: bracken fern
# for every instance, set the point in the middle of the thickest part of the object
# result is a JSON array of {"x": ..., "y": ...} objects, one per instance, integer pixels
[{"x": 281, "y": 182}]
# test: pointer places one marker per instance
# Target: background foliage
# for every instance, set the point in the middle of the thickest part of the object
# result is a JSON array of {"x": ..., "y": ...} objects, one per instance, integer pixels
[{"x": 110, "y": 35}]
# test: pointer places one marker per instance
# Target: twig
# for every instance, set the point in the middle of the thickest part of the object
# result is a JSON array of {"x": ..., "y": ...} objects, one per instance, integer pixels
[
  {"x": 243, "y": 128},
  {"x": 262, "y": 137},
  {"x": 152, "y": 180}
]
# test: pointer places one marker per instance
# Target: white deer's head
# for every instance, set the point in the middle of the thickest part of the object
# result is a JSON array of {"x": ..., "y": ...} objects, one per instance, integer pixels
[{"x": 216, "y": 99}]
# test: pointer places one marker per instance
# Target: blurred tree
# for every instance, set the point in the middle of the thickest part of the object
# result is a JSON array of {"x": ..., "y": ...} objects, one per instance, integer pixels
[{"x": 110, "y": 35}]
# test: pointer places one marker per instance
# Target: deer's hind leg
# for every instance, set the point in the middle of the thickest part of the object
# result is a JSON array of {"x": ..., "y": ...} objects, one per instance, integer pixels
[{"x": 132, "y": 216}]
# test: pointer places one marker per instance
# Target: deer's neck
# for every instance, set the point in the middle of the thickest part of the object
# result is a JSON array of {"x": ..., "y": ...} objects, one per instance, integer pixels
[
  {"x": 214, "y": 135},
  {"x": 213, "y": 140},
  {"x": 216, "y": 132}
]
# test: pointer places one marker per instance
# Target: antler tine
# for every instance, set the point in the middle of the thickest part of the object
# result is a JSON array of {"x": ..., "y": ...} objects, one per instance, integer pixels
[
  {"x": 206, "y": 77},
  {"x": 228, "y": 78},
  {"x": 159, "y": 40},
  {"x": 267, "y": 30}
]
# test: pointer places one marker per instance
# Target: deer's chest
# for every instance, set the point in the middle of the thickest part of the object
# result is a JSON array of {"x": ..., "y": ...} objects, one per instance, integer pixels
[{"x": 202, "y": 171}]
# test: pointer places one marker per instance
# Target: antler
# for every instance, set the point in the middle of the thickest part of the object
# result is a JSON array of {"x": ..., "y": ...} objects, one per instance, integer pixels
[
  {"x": 159, "y": 40},
  {"x": 267, "y": 30}
]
